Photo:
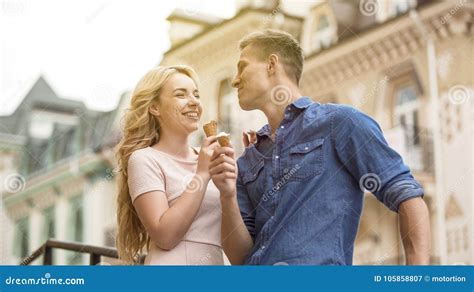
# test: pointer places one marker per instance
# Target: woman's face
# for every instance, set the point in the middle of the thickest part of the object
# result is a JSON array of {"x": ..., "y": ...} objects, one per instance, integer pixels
[{"x": 179, "y": 107}]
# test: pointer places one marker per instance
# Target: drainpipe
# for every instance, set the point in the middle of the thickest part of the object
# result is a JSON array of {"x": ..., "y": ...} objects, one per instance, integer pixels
[{"x": 437, "y": 140}]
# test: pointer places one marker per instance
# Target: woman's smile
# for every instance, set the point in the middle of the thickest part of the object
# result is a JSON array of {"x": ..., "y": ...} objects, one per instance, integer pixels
[{"x": 192, "y": 115}]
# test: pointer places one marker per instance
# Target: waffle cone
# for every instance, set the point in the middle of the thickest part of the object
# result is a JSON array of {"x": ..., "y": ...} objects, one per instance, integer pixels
[
  {"x": 210, "y": 128},
  {"x": 223, "y": 139}
]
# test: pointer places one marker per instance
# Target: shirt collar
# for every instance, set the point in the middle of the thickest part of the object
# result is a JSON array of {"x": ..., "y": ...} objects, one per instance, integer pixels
[
  {"x": 264, "y": 131},
  {"x": 301, "y": 103}
]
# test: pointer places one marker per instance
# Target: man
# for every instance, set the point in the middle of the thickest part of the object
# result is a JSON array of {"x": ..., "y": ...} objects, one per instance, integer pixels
[{"x": 298, "y": 195}]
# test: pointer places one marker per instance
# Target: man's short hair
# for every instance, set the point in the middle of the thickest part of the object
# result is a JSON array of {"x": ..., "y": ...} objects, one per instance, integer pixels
[{"x": 281, "y": 43}]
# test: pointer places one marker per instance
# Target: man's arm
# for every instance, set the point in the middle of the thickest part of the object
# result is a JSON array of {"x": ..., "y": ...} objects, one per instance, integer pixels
[
  {"x": 236, "y": 240},
  {"x": 235, "y": 237},
  {"x": 415, "y": 231},
  {"x": 367, "y": 156}
]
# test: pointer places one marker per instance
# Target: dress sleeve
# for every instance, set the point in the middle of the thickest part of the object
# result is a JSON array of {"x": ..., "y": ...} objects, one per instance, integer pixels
[{"x": 144, "y": 175}]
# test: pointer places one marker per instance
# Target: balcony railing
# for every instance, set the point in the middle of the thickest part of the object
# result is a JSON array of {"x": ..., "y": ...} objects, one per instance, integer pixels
[
  {"x": 95, "y": 252},
  {"x": 417, "y": 150}
]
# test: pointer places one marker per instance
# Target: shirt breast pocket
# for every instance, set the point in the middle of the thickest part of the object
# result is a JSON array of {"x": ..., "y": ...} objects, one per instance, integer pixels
[
  {"x": 253, "y": 183},
  {"x": 305, "y": 160}
]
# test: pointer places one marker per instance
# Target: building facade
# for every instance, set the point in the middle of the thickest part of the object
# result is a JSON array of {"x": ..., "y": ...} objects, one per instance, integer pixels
[
  {"x": 412, "y": 72},
  {"x": 57, "y": 173}
]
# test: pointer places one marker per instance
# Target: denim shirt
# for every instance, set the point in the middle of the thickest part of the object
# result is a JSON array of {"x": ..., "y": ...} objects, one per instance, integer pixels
[{"x": 301, "y": 196}]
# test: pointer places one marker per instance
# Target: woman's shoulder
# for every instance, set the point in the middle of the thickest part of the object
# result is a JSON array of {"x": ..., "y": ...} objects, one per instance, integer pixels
[
  {"x": 141, "y": 152},
  {"x": 144, "y": 154}
]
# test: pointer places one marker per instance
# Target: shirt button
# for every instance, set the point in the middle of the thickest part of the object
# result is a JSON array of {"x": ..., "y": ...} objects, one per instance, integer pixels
[
  {"x": 272, "y": 217},
  {"x": 263, "y": 246},
  {"x": 277, "y": 157},
  {"x": 285, "y": 170},
  {"x": 282, "y": 127},
  {"x": 306, "y": 148}
]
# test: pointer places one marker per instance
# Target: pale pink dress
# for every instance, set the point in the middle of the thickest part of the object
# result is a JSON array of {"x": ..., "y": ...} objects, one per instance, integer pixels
[{"x": 152, "y": 170}]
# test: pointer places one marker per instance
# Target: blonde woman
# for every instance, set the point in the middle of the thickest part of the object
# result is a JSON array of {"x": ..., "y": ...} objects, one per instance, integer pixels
[{"x": 166, "y": 199}]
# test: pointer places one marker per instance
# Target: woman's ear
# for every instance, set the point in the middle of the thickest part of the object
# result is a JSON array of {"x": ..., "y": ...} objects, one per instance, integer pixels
[{"x": 154, "y": 110}]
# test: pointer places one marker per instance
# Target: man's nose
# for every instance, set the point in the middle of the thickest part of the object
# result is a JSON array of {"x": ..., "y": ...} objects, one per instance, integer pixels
[{"x": 235, "y": 83}]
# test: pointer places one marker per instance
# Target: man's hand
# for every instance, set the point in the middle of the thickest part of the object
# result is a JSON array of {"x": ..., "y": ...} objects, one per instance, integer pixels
[
  {"x": 223, "y": 170},
  {"x": 249, "y": 137},
  {"x": 415, "y": 231}
]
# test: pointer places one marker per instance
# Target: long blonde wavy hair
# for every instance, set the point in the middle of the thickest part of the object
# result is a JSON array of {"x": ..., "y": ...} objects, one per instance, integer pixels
[{"x": 140, "y": 130}]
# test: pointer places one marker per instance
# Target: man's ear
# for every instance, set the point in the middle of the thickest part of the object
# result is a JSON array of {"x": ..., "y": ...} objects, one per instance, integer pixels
[
  {"x": 272, "y": 63},
  {"x": 154, "y": 109}
]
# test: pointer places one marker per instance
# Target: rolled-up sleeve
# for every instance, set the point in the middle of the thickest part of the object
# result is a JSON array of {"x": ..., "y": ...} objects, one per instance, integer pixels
[
  {"x": 375, "y": 166},
  {"x": 246, "y": 208}
]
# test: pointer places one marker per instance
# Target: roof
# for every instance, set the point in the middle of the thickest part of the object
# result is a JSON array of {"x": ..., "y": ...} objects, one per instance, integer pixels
[
  {"x": 226, "y": 21},
  {"x": 352, "y": 33},
  {"x": 93, "y": 128},
  {"x": 190, "y": 16}
]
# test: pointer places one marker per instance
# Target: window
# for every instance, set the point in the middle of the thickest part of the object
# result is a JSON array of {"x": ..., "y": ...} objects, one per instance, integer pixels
[
  {"x": 393, "y": 8},
  {"x": 64, "y": 137},
  {"x": 77, "y": 218},
  {"x": 51, "y": 137},
  {"x": 49, "y": 224},
  {"x": 21, "y": 241},
  {"x": 36, "y": 154},
  {"x": 323, "y": 34},
  {"x": 76, "y": 228},
  {"x": 406, "y": 116},
  {"x": 401, "y": 6}
]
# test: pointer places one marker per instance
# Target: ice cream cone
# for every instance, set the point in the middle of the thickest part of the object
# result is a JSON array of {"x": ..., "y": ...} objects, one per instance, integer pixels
[
  {"x": 210, "y": 128},
  {"x": 223, "y": 139}
]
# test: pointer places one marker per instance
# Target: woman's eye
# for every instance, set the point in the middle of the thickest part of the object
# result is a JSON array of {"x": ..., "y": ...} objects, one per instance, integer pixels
[{"x": 197, "y": 96}]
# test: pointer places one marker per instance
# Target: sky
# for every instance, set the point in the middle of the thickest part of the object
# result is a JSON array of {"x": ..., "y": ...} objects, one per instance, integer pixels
[{"x": 87, "y": 50}]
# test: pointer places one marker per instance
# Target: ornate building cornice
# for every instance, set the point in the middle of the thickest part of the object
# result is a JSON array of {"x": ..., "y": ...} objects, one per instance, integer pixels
[{"x": 380, "y": 47}]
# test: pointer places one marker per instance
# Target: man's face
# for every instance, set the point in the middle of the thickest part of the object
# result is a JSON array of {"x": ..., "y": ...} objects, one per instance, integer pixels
[{"x": 252, "y": 80}]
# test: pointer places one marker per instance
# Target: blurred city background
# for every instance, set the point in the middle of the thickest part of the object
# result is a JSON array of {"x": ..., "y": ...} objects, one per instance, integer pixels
[{"x": 68, "y": 68}]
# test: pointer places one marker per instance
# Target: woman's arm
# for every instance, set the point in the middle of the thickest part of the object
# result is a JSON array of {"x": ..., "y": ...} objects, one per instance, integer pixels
[{"x": 166, "y": 225}]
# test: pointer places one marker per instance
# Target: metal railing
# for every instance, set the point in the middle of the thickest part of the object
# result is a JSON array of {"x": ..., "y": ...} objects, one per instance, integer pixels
[
  {"x": 424, "y": 145},
  {"x": 95, "y": 252},
  {"x": 417, "y": 148}
]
